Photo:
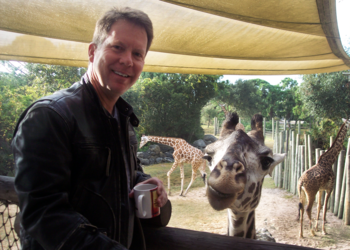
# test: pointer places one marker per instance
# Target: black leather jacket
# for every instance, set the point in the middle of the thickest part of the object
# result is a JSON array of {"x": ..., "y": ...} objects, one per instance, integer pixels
[{"x": 71, "y": 172}]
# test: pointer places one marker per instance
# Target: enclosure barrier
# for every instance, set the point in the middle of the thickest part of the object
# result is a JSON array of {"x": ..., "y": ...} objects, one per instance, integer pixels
[
  {"x": 299, "y": 158},
  {"x": 166, "y": 238}
]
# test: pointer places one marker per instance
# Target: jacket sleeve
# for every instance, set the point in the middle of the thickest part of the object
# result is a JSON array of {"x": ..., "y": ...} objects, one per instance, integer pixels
[{"x": 43, "y": 154}]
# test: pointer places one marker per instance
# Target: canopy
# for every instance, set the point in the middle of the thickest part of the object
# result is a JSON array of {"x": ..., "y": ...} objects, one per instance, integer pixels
[{"x": 250, "y": 37}]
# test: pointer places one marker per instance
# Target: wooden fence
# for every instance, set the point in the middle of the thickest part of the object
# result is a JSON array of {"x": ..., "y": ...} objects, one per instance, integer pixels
[{"x": 301, "y": 157}]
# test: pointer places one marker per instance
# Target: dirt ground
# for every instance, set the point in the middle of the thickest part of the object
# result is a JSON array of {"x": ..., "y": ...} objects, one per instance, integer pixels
[{"x": 276, "y": 212}]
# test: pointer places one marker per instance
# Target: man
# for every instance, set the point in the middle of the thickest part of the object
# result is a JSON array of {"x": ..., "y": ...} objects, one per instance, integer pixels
[{"x": 75, "y": 151}]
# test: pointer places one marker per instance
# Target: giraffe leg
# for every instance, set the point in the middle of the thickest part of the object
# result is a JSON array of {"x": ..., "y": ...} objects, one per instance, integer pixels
[
  {"x": 301, "y": 212},
  {"x": 169, "y": 173},
  {"x": 310, "y": 202},
  {"x": 194, "y": 175},
  {"x": 182, "y": 172},
  {"x": 319, "y": 205},
  {"x": 325, "y": 211}
]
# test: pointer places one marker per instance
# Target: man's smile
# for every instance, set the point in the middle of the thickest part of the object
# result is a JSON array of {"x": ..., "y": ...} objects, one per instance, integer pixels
[{"x": 120, "y": 74}]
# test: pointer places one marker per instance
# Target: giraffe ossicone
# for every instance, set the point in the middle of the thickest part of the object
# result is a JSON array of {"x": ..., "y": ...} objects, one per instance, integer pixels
[
  {"x": 239, "y": 162},
  {"x": 183, "y": 153},
  {"x": 320, "y": 178}
]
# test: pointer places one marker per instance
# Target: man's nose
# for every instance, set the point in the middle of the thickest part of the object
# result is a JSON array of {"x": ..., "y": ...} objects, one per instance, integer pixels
[{"x": 126, "y": 59}]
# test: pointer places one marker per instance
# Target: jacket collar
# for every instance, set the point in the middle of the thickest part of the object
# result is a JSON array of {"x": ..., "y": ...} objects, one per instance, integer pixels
[{"x": 123, "y": 107}]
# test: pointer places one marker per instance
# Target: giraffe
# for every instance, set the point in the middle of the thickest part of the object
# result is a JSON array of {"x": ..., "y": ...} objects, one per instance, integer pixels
[
  {"x": 239, "y": 125},
  {"x": 320, "y": 178},
  {"x": 238, "y": 162},
  {"x": 183, "y": 153}
]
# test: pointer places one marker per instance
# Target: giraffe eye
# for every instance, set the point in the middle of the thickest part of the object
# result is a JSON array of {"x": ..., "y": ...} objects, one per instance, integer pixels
[{"x": 208, "y": 158}]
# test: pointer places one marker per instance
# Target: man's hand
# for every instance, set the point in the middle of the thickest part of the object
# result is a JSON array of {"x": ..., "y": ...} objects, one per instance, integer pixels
[{"x": 162, "y": 195}]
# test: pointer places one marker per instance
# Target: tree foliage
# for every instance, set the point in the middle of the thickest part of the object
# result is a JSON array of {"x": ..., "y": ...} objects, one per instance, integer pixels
[
  {"x": 326, "y": 95},
  {"x": 18, "y": 89},
  {"x": 171, "y": 104}
]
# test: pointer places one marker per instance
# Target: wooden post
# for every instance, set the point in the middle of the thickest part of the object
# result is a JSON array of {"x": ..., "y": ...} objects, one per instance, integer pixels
[
  {"x": 286, "y": 165},
  {"x": 335, "y": 170},
  {"x": 281, "y": 167},
  {"x": 273, "y": 128},
  {"x": 310, "y": 150},
  {"x": 342, "y": 196},
  {"x": 299, "y": 127},
  {"x": 215, "y": 124},
  {"x": 338, "y": 181},
  {"x": 292, "y": 159},
  {"x": 284, "y": 124},
  {"x": 306, "y": 152},
  {"x": 264, "y": 126},
  {"x": 347, "y": 196}
]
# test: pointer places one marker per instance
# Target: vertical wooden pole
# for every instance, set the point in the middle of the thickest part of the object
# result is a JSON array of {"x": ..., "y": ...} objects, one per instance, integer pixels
[
  {"x": 338, "y": 181},
  {"x": 335, "y": 170},
  {"x": 346, "y": 184},
  {"x": 273, "y": 128},
  {"x": 292, "y": 167},
  {"x": 299, "y": 127},
  {"x": 264, "y": 127},
  {"x": 306, "y": 152},
  {"x": 281, "y": 167},
  {"x": 342, "y": 196},
  {"x": 310, "y": 150},
  {"x": 215, "y": 125}
]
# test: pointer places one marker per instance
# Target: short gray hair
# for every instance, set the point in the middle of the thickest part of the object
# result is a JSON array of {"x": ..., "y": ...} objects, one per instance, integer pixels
[{"x": 137, "y": 17}]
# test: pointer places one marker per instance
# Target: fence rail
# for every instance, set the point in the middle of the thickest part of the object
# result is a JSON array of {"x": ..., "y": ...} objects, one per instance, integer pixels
[{"x": 166, "y": 238}]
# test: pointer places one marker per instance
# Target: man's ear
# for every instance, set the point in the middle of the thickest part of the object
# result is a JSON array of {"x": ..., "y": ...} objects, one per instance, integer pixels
[{"x": 92, "y": 49}]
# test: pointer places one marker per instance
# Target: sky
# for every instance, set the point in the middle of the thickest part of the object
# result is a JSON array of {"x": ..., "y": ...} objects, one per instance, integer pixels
[{"x": 343, "y": 17}]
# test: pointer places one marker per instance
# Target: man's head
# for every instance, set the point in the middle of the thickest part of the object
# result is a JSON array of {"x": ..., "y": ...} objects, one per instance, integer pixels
[
  {"x": 137, "y": 17},
  {"x": 117, "y": 54}
]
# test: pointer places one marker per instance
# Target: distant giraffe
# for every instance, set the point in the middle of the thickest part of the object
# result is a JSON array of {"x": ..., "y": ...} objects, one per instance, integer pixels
[
  {"x": 239, "y": 125},
  {"x": 320, "y": 178},
  {"x": 183, "y": 153}
]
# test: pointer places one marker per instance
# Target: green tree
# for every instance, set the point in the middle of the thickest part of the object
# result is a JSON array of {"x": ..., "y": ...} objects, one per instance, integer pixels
[
  {"x": 326, "y": 98},
  {"x": 326, "y": 95},
  {"x": 243, "y": 97},
  {"x": 18, "y": 89},
  {"x": 171, "y": 104}
]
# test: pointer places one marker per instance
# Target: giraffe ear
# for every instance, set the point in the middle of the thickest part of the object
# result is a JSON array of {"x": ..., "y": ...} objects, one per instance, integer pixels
[{"x": 277, "y": 159}]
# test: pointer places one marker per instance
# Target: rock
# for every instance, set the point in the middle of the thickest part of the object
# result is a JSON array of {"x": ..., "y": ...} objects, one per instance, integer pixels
[
  {"x": 144, "y": 161},
  {"x": 169, "y": 155},
  {"x": 264, "y": 235},
  {"x": 167, "y": 159},
  {"x": 200, "y": 144},
  {"x": 154, "y": 150},
  {"x": 159, "y": 160},
  {"x": 209, "y": 139},
  {"x": 166, "y": 148}
]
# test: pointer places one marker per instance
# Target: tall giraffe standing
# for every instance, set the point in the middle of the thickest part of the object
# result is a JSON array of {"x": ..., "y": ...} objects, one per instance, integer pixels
[
  {"x": 320, "y": 178},
  {"x": 183, "y": 153}
]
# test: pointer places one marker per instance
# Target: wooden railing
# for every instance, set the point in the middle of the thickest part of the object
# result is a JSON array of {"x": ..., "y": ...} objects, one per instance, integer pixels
[{"x": 174, "y": 238}]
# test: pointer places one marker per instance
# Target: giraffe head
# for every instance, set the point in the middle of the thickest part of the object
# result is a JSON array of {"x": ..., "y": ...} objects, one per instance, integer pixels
[
  {"x": 238, "y": 163},
  {"x": 347, "y": 123},
  {"x": 144, "y": 140}
]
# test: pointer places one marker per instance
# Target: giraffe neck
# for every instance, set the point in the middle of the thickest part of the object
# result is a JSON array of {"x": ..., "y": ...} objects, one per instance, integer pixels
[
  {"x": 241, "y": 224},
  {"x": 164, "y": 140},
  {"x": 332, "y": 153}
]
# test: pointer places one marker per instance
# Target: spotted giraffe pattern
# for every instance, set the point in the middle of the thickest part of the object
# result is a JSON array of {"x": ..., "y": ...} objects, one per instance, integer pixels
[
  {"x": 183, "y": 153},
  {"x": 320, "y": 178},
  {"x": 239, "y": 162}
]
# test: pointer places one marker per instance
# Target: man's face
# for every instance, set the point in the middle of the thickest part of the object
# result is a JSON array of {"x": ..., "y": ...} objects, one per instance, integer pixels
[{"x": 118, "y": 62}]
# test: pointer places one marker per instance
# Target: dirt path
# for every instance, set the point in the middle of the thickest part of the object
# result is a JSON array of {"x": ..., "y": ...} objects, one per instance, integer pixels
[{"x": 276, "y": 212}]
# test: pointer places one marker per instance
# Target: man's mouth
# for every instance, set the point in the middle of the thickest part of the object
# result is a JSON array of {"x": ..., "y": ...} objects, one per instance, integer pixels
[{"x": 121, "y": 74}]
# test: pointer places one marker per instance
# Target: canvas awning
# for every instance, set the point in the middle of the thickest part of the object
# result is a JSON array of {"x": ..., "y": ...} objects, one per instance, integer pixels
[{"x": 250, "y": 37}]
